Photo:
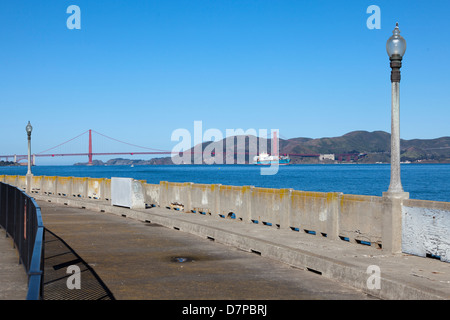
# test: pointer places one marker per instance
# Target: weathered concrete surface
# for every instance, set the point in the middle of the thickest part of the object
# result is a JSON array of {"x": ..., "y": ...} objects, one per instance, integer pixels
[
  {"x": 376, "y": 221},
  {"x": 138, "y": 260},
  {"x": 13, "y": 277},
  {"x": 426, "y": 229},
  {"x": 403, "y": 276}
]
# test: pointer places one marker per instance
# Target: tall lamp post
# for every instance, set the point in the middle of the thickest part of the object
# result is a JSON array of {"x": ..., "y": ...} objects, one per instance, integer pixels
[
  {"x": 395, "y": 47},
  {"x": 29, "y": 128},
  {"x": 29, "y": 175}
]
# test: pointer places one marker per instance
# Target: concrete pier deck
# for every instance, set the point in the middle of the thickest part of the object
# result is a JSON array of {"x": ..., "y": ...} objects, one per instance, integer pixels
[
  {"x": 13, "y": 278},
  {"x": 139, "y": 260},
  {"x": 229, "y": 259}
]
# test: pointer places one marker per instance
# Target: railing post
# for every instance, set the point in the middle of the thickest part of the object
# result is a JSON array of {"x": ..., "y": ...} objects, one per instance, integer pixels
[
  {"x": 102, "y": 189},
  {"x": 285, "y": 215},
  {"x": 333, "y": 207},
  {"x": 187, "y": 195},
  {"x": 216, "y": 206},
  {"x": 248, "y": 197}
]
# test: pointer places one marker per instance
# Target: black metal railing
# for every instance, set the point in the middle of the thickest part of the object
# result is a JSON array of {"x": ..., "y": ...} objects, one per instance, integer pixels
[{"x": 21, "y": 217}]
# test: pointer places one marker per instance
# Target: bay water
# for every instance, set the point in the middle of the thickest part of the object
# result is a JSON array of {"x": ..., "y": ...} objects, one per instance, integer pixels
[{"x": 422, "y": 181}]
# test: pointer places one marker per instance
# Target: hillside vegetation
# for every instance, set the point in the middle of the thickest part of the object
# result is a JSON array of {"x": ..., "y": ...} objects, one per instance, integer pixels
[{"x": 374, "y": 146}]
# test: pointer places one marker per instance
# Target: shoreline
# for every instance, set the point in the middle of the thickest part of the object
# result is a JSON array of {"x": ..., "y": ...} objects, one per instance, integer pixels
[{"x": 217, "y": 165}]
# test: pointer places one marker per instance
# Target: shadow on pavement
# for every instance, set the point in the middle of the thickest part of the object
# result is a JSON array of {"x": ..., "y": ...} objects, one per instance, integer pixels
[{"x": 58, "y": 277}]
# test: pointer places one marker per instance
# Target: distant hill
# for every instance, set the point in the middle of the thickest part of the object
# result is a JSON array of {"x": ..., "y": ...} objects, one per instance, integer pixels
[
  {"x": 8, "y": 163},
  {"x": 352, "y": 142},
  {"x": 374, "y": 147}
]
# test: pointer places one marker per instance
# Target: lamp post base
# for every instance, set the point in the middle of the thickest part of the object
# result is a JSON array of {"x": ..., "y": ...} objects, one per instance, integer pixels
[
  {"x": 29, "y": 179},
  {"x": 392, "y": 220},
  {"x": 396, "y": 195}
]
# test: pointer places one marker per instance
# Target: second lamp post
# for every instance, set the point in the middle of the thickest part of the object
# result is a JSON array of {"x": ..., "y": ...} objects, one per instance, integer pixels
[
  {"x": 395, "y": 47},
  {"x": 29, "y": 128}
]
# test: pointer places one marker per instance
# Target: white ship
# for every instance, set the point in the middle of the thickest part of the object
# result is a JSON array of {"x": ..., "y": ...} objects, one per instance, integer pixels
[{"x": 266, "y": 159}]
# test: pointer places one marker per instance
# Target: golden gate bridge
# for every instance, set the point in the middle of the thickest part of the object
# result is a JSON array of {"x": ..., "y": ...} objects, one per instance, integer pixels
[{"x": 149, "y": 151}]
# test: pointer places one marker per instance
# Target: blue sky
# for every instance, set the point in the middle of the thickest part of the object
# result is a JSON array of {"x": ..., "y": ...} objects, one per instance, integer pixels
[{"x": 137, "y": 70}]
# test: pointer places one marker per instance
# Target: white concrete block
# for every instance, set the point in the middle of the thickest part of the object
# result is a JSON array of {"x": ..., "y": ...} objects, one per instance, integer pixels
[
  {"x": 127, "y": 192},
  {"x": 426, "y": 231}
]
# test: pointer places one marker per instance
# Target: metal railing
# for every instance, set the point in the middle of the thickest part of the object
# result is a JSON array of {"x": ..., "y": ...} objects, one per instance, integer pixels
[{"x": 21, "y": 217}]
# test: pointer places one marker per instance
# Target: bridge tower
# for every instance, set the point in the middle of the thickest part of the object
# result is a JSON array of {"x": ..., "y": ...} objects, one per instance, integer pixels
[
  {"x": 275, "y": 144},
  {"x": 90, "y": 148}
]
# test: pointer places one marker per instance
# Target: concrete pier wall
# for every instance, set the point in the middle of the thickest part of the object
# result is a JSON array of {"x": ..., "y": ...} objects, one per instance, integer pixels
[{"x": 366, "y": 220}]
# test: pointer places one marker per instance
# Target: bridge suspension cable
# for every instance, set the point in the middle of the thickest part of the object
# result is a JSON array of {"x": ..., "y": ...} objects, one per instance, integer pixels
[
  {"x": 63, "y": 143},
  {"x": 127, "y": 143}
]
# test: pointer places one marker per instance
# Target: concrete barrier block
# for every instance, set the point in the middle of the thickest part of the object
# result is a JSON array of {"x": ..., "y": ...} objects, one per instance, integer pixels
[
  {"x": 315, "y": 212},
  {"x": 94, "y": 188},
  {"x": 127, "y": 192},
  {"x": 233, "y": 200},
  {"x": 270, "y": 206},
  {"x": 151, "y": 193},
  {"x": 21, "y": 182},
  {"x": 12, "y": 180},
  {"x": 176, "y": 195},
  {"x": 79, "y": 187},
  {"x": 163, "y": 190},
  {"x": 36, "y": 184},
  {"x": 64, "y": 186},
  {"x": 361, "y": 219},
  {"x": 203, "y": 198},
  {"x": 49, "y": 185},
  {"x": 106, "y": 193}
]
